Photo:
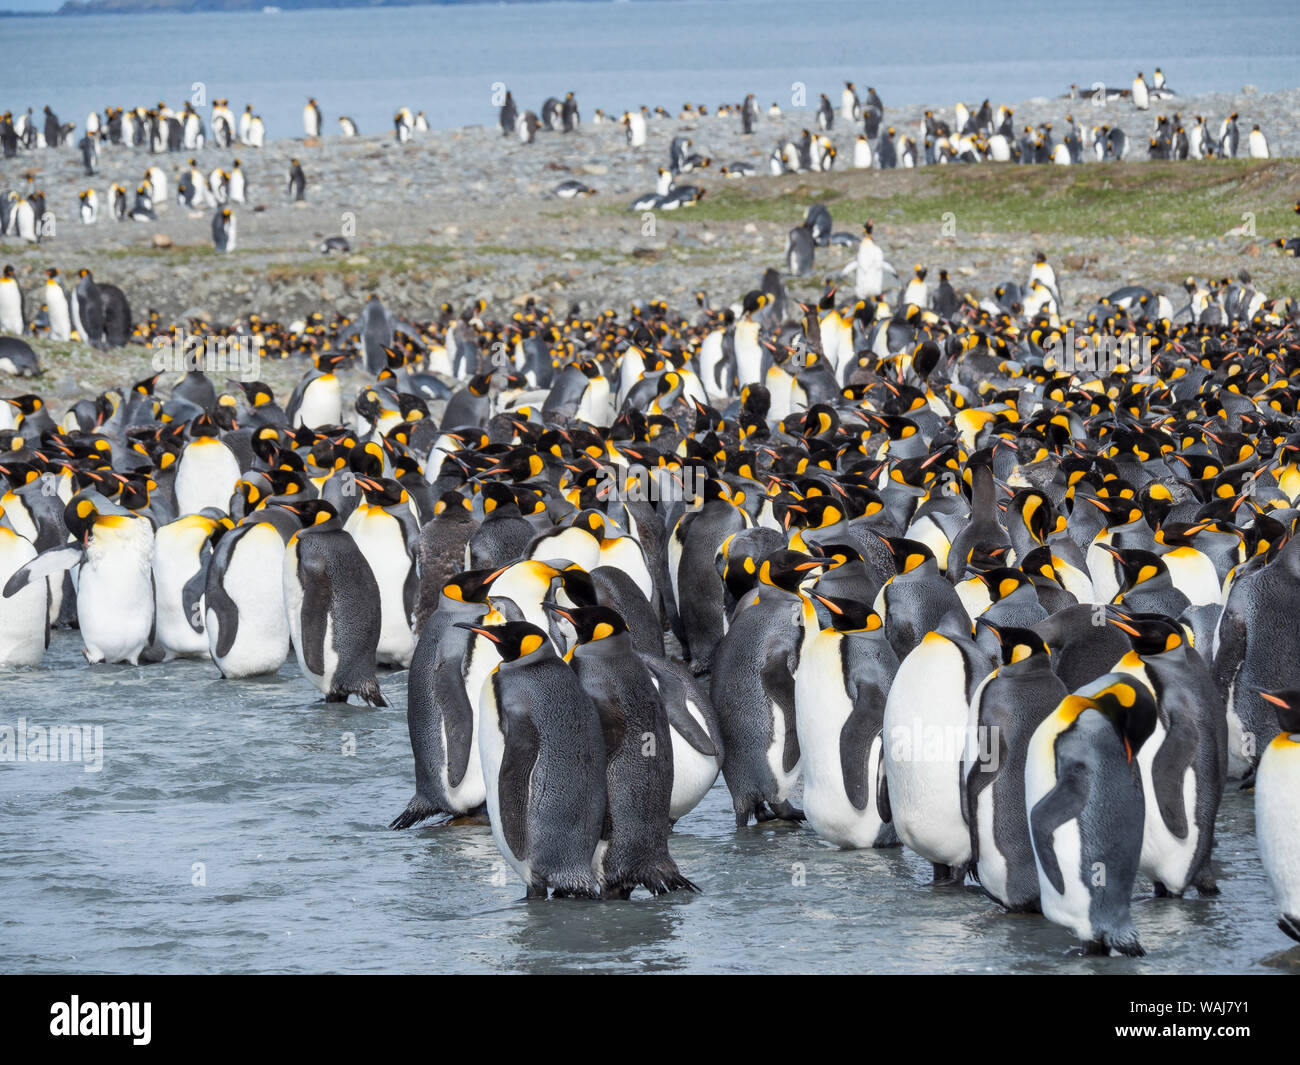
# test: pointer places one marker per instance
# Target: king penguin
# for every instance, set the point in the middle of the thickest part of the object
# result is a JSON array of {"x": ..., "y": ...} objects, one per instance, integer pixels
[
  {"x": 638, "y": 750},
  {"x": 1009, "y": 705},
  {"x": 1083, "y": 790},
  {"x": 840, "y": 687},
  {"x": 537, "y": 728},
  {"x": 245, "y": 619},
  {"x": 332, "y": 600},
  {"x": 1277, "y": 797}
]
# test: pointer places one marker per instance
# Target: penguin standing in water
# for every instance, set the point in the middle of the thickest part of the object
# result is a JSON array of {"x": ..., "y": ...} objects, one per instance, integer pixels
[
  {"x": 1006, "y": 710},
  {"x": 1083, "y": 789},
  {"x": 114, "y": 579},
  {"x": 753, "y": 691},
  {"x": 385, "y": 530},
  {"x": 182, "y": 553},
  {"x": 223, "y": 229},
  {"x": 332, "y": 600},
  {"x": 246, "y": 624},
  {"x": 696, "y": 736},
  {"x": 444, "y": 686},
  {"x": 1277, "y": 797},
  {"x": 544, "y": 765},
  {"x": 1184, "y": 764},
  {"x": 844, "y": 675},
  {"x": 633, "y": 851},
  {"x": 925, "y": 729},
  {"x": 24, "y": 614},
  {"x": 297, "y": 182}
]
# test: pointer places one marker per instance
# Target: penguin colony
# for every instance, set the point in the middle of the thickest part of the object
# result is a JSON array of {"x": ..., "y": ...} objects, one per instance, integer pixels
[
  {"x": 972, "y": 136},
  {"x": 976, "y": 579}
]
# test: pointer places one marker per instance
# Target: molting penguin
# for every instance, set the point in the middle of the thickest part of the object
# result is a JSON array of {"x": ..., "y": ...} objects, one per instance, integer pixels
[
  {"x": 544, "y": 765},
  {"x": 332, "y": 600},
  {"x": 1083, "y": 790}
]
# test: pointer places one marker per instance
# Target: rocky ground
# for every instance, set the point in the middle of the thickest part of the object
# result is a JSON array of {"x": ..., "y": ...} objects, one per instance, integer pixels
[{"x": 462, "y": 214}]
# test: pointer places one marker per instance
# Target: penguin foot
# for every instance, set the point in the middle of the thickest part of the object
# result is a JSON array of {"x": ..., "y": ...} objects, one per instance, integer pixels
[
  {"x": 1205, "y": 884},
  {"x": 949, "y": 875},
  {"x": 788, "y": 812},
  {"x": 534, "y": 891},
  {"x": 417, "y": 810},
  {"x": 1161, "y": 892}
]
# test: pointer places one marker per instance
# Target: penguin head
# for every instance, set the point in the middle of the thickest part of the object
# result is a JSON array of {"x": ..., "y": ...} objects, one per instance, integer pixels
[
  {"x": 1150, "y": 634},
  {"x": 1138, "y": 567},
  {"x": 1124, "y": 700},
  {"x": 1017, "y": 645},
  {"x": 849, "y": 615},
  {"x": 787, "y": 570},
  {"x": 314, "y": 513},
  {"x": 514, "y": 640},
  {"x": 472, "y": 585},
  {"x": 591, "y": 623},
  {"x": 908, "y": 554},
  {"x": 1002, "y": 581},
  {"x": 1286, "y": 703}
]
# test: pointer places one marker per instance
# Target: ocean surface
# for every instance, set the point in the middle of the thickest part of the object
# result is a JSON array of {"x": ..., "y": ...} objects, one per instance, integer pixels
[
  {"x": 445, "y": 61},
  {"x": 240, "y": 827}
]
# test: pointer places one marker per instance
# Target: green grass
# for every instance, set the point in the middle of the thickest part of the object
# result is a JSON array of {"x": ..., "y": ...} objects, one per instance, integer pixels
[{"x": 1158, "y": 200}]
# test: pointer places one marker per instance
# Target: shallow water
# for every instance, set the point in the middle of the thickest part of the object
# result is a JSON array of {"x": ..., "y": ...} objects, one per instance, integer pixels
[
  {"x": 251, "y": 780},
  {"x": 444, "y": 60}
]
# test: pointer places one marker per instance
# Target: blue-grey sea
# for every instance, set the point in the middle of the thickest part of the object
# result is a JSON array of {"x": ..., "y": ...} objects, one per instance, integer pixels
[{"x": 446, "y": 60}]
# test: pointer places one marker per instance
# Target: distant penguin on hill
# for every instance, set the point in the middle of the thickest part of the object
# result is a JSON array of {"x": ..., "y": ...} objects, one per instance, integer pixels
[
  {"x": 297, "y": 182},
  {"x": 347, "y": 127},
  {"x": 508, "y": 116},
  {"x": 223, "y": 229},
  {"x": 1141, "y": 97},
  {"x": 311, "y": 119}
]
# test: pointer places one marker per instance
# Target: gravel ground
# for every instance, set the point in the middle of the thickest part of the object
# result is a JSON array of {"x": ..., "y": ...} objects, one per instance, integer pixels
[{"x": 461, "y": 214}]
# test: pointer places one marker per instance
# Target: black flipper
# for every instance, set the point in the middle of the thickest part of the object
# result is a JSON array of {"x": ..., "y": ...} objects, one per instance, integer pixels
[
  {"x": 517, "y": 761},
  {"x": 315, "y": 580},
  {"x": 194, "y": 589},
  {"x": 1168, "y": 769},
  {"x": 52, "y": 560},
  {"x": 1063, "y": 803},
  {"x": 856, "y": 738}
]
